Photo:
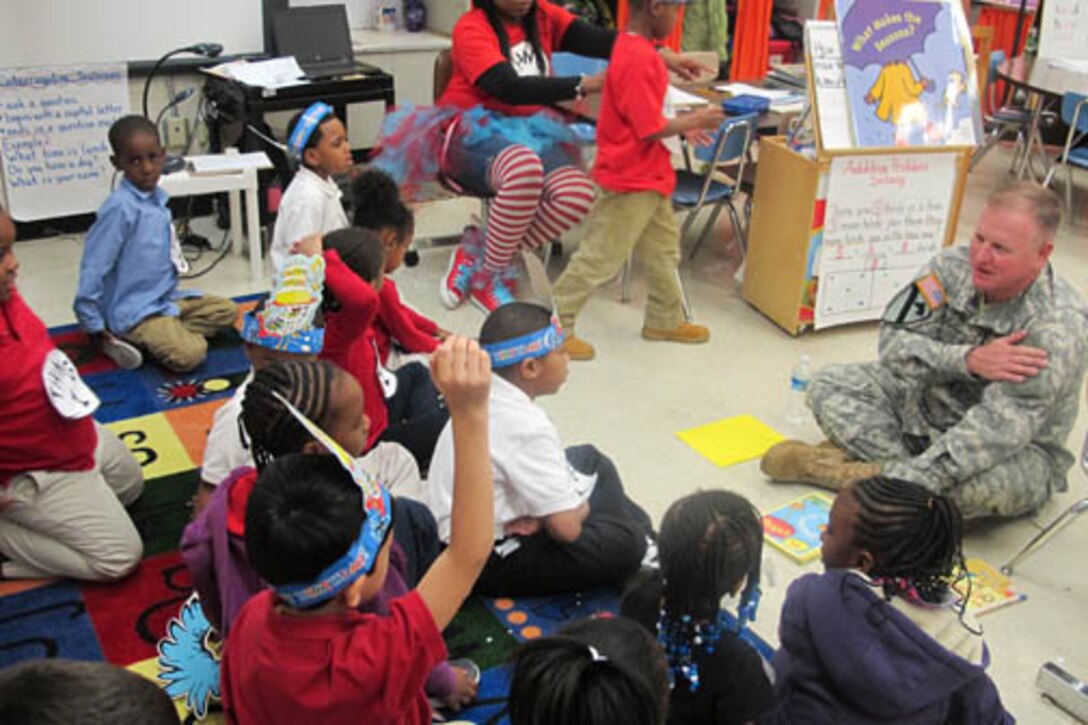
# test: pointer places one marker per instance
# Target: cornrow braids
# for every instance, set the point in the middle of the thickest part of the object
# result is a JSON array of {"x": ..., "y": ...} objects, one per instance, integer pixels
[
  {"x": 529, "y": 23},
  {"x": 709, "y": 542},
  {"x": 913, "y": 534},
  {"x": 271, "y": 428}
]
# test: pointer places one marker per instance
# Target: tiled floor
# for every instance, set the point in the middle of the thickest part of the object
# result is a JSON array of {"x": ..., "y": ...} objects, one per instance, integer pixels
[{"x": 636, "y": 395}]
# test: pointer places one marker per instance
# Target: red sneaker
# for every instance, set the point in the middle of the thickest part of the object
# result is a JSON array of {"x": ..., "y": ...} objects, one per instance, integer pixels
[{"x": 489, "y": 292}]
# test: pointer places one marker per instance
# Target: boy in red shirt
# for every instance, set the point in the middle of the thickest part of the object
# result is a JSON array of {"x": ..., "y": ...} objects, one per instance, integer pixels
[
  {"x": 318, "y": 534},
  {"x": 634, "y": 170},
  {"x": 64, "y": 479}
]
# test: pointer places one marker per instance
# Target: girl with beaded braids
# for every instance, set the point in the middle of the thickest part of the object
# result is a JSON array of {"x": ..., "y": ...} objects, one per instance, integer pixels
[
  {"x": 213, "y": 545},
  {"x": 709, "y": 546},
  {"x": 878, "y": 637}
]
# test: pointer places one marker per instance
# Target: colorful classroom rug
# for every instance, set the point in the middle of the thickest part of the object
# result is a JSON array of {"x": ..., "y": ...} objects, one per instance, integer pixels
[{"x": 149, "y": 622}]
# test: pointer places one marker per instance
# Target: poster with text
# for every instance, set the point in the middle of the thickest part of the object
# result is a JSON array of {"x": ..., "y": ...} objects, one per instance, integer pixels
[
  {"x": 910, "y": 77},
  {"x": 54, "y": 153},
  {"x": 885, "y": 217}
]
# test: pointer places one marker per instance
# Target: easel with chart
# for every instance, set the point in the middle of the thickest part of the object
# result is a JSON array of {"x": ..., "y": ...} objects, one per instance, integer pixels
[{"x": 838, "y": 227}]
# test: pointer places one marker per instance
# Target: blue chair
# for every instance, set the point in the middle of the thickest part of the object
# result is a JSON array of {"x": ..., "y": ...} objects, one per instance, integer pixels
[
  {"x": 1074, "y": 115},
  {"x": 728, "y": 152},
  {"x": 572, "y": 64},
  {"x": 1003, "y": 119}
]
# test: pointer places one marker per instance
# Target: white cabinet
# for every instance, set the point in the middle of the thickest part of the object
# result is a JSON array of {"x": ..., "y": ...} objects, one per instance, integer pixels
[{"x": 409, "y": 58}]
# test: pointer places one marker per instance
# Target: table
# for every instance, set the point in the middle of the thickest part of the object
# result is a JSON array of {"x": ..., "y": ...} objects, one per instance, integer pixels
[
  {"x": 236, "y": 185},
  {"x": 1046, "y": 85}
]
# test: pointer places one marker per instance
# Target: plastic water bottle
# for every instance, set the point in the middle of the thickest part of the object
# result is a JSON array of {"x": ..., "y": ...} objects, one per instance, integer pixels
[
  {"x": 796, "y": 412},
  {"x": 387, "y": 16}
]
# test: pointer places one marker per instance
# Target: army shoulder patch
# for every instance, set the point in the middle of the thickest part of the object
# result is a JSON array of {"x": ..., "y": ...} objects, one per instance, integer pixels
[
  {"x": 916, "y": 302},
  {"x": 931, "y": 290}
]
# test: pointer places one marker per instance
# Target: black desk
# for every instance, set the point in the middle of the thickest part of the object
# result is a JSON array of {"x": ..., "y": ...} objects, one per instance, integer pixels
[{"x": 237, "y": 108}]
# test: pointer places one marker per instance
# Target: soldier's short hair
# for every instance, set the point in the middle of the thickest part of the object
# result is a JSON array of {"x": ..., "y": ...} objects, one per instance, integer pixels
[{"x": 1043, "y": 204}]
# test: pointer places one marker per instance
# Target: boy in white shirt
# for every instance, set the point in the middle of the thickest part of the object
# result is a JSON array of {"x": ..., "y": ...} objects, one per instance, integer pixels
[
  {"x": 318, "y": 141},
  {"x": 562, "y": 520}
]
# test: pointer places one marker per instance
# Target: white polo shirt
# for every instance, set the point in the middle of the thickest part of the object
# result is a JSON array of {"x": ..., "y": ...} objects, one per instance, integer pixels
[
  {"x": 311, "y": 205},
  {"x": 528, "y": 464}
]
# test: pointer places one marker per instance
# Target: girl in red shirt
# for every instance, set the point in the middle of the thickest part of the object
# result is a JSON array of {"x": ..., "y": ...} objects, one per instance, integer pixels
[{"x": 379, "y": 208}]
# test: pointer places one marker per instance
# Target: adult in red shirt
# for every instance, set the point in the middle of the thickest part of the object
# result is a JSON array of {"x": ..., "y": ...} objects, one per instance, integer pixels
[
  {"x": 64, "y": 479},
  {"x": 634, "y": 170},
  {"x": 504, "y": 145}
]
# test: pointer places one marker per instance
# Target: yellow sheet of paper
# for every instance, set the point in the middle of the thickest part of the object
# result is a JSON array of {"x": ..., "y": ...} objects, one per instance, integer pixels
[{"x": 731, "y": 440}]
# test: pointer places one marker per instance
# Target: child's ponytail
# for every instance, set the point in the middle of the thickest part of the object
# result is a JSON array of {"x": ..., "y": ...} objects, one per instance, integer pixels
[{"x": 597, "y": 672}]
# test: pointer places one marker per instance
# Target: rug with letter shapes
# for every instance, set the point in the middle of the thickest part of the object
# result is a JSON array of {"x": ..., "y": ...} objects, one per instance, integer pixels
[{"x": 147, "y": 622}]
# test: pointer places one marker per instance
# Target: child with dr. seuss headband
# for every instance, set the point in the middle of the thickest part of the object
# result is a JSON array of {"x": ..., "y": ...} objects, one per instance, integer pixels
[
  {"x": 709, "y": 546},
  {"x": 403, "y": 405},
  {"x": 318, "y": 142},
  {"x": 563, "y": 522},
  {"x": 879, "y": 637},
  {"x": 317, "y": 530},
  {"x": 213, "y": 545}
]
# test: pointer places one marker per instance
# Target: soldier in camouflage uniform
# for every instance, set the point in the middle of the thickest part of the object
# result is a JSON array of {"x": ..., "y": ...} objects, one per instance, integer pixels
[{"x": 978, "y": 383}]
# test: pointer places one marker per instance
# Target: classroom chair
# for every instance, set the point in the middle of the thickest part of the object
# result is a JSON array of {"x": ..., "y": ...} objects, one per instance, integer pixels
[
  {"x": 1074, "y": 115},
  {"x": 697, "y": 189},
  {"x": 728, "y": 151},
  {"x": 1046, "y": 534},
  {"x": 1002, "y": 120}
]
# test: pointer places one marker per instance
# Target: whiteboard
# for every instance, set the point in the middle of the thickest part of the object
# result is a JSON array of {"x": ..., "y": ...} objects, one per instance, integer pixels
[
  {"x": 824, "y": 54},
  {"x": 1064, "y": 32},
  {"x": 53, "y": 127},
  {"x": 886, "y": 217},
  {"x": 61, "y": 32}
]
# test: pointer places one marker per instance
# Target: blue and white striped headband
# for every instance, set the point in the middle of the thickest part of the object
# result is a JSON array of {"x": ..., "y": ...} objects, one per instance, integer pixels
[
  {"x": 536, "y": 344},
  {"x": 307, "y": 124},
  {"x": 377, "y": 524}
]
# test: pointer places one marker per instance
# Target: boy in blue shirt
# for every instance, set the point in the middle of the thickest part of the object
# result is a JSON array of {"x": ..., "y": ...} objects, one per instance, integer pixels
[{"x": 128, "y": 297}]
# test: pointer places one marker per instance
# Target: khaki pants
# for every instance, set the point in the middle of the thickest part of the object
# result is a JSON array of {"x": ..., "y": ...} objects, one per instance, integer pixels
[
  {"x": 73, "y": 523},
  {"x": 620, "y": 223},
  {"x": 180, "y": 343}
]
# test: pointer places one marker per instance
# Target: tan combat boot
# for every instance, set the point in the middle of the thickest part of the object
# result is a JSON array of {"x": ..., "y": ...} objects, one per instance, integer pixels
[{"x": 825, "y": 465}]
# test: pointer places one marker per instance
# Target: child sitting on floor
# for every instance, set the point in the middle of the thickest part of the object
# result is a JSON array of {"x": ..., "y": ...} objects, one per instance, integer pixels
[
  {"x": 633, "y": 212},
  {"x": 318, "y": 533},
  {"x": 286, "y": 325},
  {"x": 64, "y": 478},
  {"x": 709, "y": 546},
  {"x": 213, "y": 546},
  {"x": 128, "y": 297},
  {"x": 562, "y": 520},
  {"x": 318, "y": 143},
  {"x": 403, "y": 406},
  {"x": 877, "y": 638},
  {"x": 56, "y": 691},
  {"x": 379, "y": 208},
  {"x": 594, "y": 672}
]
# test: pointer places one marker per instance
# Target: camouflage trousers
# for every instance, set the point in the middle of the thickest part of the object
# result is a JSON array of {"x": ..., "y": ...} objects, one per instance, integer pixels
[{"x": 865, "y": 410}]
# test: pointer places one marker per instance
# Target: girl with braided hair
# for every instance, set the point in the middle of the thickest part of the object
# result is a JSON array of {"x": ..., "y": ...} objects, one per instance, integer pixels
[
  {"x": 879, "y": 637},
  {"x": 709, "y": 547},
  {"x": 213, "y": 545}
]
